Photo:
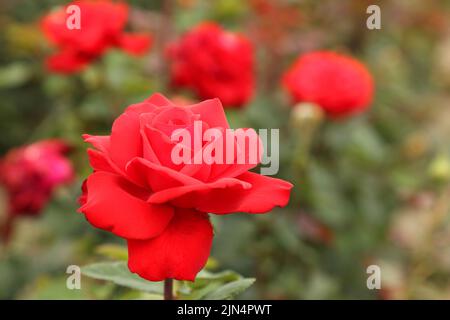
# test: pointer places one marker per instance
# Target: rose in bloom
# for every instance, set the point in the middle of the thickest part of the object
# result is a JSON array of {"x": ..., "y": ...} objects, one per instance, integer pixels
[
  {"x": 213, "y": 63},
  {"x": 30, "y": 174},
  {"x": 102, "y": 26},
  {"x": 161, "y": 208},
  {"x": 339, "y": 84}
]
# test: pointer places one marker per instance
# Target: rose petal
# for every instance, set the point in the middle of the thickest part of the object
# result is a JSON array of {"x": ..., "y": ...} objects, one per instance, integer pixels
[
  {"x": 99, "y": 162},
  {"x": 141, "y": 108},
  {"x": 249, "y": 192},
  {"x": 211, "y": 112},
  {"x": 156, "y": 177},
  {"x": 67, "y": 61},
  {"x": 250, "y": 152},
  {"x": 126, "y": 140},
  {"x": 147, "y": 151},
  {"x": 180, "y": 252},
  {"x": 113, "y": 204},
  {"x": 126, "y": 137},
  {"x": 159, "y": 100},
  {"x": 101, "y": 143},
  {"x": 162, "y": 146},
  {"x": 136, "y": 44},
  {"x": 265, "y": 193},
  {"x": 182, "y": 195},
  {"x": 199, "y": 171}
]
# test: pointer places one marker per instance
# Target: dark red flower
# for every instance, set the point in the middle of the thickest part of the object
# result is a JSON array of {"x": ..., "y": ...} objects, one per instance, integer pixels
[
  {"x": 102, "y": 26},
  {"x": 213, "y": 63},
  {"x": 139, "y": 193},
  {"x": 339, "y": 84},
  {"x": 30, "y": 174}
]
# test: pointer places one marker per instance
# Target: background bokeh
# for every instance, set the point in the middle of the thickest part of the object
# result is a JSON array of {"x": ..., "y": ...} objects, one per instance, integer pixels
[{"x": 369, "y": 189}]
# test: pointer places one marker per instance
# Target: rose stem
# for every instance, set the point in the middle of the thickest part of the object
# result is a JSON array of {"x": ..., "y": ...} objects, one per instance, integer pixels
[{"x": 168, "y": 289}]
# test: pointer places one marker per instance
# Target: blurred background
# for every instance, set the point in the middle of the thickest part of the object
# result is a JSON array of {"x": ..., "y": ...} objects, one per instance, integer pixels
[{"x": 373, "y": 188}]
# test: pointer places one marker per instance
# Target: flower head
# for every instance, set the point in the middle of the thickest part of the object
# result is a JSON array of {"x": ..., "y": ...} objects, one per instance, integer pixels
[
  {"x": 339, "y": 84},
  {"x": 102, "y": 26},
  {"x": 214, "y": 63},
  {"x": 160, "y": 206},
  {"x": 30, "y": 174}
]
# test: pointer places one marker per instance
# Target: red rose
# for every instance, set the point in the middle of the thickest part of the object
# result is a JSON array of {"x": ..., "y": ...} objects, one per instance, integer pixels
[
  {"x": 102, "y": 26},
  {"x": 30, "y": 174},
  {"x": 339, "y": 84},
  {"x": 213, "y": 63},
  {"x": 161, "y": 208}
]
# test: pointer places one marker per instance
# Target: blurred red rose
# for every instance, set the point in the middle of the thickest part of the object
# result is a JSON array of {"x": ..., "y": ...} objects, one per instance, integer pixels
[
  {"x": 339, "y": 84},
  {"x": 102, "y": 26},
  {"x": 138, "y": 193},
  {"x": 30, "y": 174},
  {"x": 213, "y": 63}
]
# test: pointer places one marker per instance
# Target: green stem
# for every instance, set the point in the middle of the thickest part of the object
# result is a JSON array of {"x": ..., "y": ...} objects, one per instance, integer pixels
[{"x": 168, "y": 289}]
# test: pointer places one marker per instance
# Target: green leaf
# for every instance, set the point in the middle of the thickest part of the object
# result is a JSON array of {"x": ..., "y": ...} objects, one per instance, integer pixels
[
  {"x": 221, "y": 285},
  {"x": 118, "y": 273},
  {"x": 207, "y": 282},
  {"x": 230, "y": 289},
  {"x": 201, "y": 292},
  {"x": 226, "y": 275}
]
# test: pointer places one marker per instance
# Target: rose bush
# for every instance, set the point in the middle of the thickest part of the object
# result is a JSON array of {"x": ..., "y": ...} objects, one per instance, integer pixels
[
  {"x": 30, "y": 173},
  {"x": 339, "y": 84},
  {"x": 102, "y": 26},
  {"x": 161, "y": 208},
  {"x": 213, "y": 63}
]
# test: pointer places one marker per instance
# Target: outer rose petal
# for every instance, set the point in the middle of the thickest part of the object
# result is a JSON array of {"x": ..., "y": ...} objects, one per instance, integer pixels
[
  {"x": 211, "y": 112},
  {"x": 99, "y": 162},
  {"x": 159, "y": 100},
  {"x": 265, "y": 193},
  {"x": 180, "y": 252},
  {"x": 100, "y": 159},
  {"x": 112, "y": 204},
  {"x": 136, "y": 44},
  {"x": 142, "y": 107},
  {"x": 126, "y": 140},
  {"x": 101, "y": 143},
  {"x": 221, "y": 198}
]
